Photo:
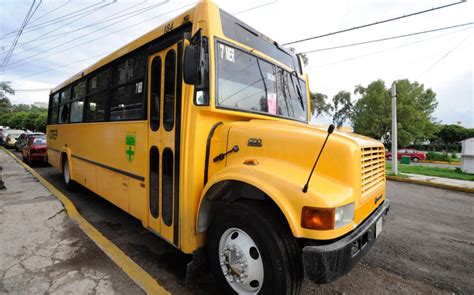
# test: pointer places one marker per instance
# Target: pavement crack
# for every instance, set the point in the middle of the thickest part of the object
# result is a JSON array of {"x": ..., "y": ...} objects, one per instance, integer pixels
[{"x": 57, "y": 213}]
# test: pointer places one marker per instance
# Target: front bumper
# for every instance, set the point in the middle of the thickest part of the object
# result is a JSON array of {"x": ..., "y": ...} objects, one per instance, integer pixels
[{"x": 326, "y": 263}]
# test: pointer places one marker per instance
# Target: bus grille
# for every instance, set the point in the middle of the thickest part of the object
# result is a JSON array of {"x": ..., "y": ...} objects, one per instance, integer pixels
[{"x": 372, "y": 169}]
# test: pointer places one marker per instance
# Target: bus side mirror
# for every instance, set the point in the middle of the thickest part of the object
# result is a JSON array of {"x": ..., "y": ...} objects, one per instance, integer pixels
[{"x": 191, "y": 65}]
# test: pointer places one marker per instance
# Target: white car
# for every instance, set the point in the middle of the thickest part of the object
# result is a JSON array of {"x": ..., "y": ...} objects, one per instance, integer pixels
[{"x": 11, "y": 137}]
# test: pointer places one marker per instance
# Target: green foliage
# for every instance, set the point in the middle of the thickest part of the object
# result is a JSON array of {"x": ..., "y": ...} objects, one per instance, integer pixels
[
  {"x": 41, "y": 121},
  {"x": 450, "y": 134},
  {"x": 319, "y": 104},
  {"x": 21, "y": 116},
  {"x": 415, "y": 105},
  {"x": 17, "y": 120},
  {"x": 5, "y": 88},
  {"x": 342, "y": 107},
  {"x": 433, "y": 156},
  {"x": 433, "y": 171},
  {"x": 372, "y": 112}
]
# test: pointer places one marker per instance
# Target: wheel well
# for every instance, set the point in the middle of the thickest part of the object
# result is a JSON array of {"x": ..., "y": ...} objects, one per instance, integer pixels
[
  {"x": 229, "y": 191},
  {"x": 63, "y": 159}
]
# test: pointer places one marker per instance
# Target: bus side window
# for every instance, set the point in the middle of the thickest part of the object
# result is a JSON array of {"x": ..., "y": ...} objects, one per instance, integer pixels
[
  {"x": 64, "y": 107},
  {"x": 155, "y": 89},
  {"x": 53, "y": 109},
  {"x": 169, "y": 91}
]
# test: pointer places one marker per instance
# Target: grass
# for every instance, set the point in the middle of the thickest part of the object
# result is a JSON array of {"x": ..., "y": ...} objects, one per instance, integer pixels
[{"x": 432, "y": 171}]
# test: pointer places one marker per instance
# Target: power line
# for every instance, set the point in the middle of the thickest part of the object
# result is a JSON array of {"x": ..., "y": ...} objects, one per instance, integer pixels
[
  {"x": 63, "y": 66},
  {"x": 387, "y": 38},
  {"x": 107, "y": 19},
  {"x": 44, "y": 36},
  {"x": 153, "y": 18},
  {"x": 444, "y": 56},
  {"x": 49, "y": 12},
  {"x": 384, "y": 50},
  {"x": 77, "y": 38},
  {"x": 375, "y": 23},
  {"x": 255, "y": 7},
  {"x": 15, "y": 41},
  {"x": 55, "y": 20}
]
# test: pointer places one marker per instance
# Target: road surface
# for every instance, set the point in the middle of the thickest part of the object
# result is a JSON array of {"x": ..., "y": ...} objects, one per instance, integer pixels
[{"x": 426, "y": 245}]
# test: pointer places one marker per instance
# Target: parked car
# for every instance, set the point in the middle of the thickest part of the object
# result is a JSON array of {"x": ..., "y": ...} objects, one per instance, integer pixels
[
  {"x": 23, "y": 140},
  {"x": 35, "y": 150},
  {"x": 2, "y": 137},
  {"x": 414, "y": 155},
  {"x": 12, "y": 136}
]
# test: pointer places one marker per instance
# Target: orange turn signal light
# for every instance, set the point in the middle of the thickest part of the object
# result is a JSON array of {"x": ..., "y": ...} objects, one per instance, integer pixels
[
  {"x": 317, "y": 218},
  {"x": 251, "y": 162}
]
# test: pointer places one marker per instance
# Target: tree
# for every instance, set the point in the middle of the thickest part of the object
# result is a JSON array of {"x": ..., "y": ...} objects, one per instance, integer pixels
[
  {"x": 17, "y": 120},
  {"x": 343, "y": 107},
  {"x": 30, "y": 121},
  {"x": 41, "y": 121},
  {"x": 5, "y": 88},
  {"x": 319, "y": 104},
  {"x": 415, "y": 106},
  {"x": 452, "y": 134}
]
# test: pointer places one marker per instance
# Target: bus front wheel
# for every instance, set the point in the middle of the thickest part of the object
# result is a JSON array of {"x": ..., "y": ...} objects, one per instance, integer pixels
[
  {"x": 70, "y": 184},
  {"x": 251, "y": 250}
]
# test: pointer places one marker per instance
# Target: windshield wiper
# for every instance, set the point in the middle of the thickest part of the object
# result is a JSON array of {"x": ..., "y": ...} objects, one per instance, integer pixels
[{"x": 300, "y": 97}]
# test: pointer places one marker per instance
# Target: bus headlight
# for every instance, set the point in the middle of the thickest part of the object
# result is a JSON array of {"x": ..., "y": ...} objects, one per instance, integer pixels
[{"x": 344, "y": 215}]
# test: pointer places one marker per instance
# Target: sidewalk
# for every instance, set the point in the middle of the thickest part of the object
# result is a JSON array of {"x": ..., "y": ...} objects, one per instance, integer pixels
[
  {"x": 42, "y": 250},
  {"x": 439, "y": 182},
  {"x": 446, "y": 181}
]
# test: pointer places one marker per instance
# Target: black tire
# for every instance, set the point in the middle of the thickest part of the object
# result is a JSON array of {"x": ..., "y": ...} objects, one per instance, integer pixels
[
  {"x": 30, "y": 162},
  {"x": 415, "y": 159},
  {"x": 70, "y": 184},
  {"x": 389, "y": 158},
  {"x": 280, "y": 252}
]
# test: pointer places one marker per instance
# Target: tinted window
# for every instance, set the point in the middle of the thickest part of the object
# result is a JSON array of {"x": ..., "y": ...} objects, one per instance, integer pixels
[
  {"x": 167, "y": 187},
  {"x": 126, "y": 102},
  {"x": 155, "y": 93},
  {"x": 132, "y": 68},
  {"x": 77, "y": 110},
  {"x": 243, "y": 33},
  {"x": 169, "y": 90},
  {"x": 248, "y": 83},
  {"x": 39, "y": 141},
  {"x": 99, "y": 81},
  {"x": 79, "y": 90},
  {"x": 154, "y": 181},
  {"x": 95, "y": 106},
  {"x": 64, "y": 106},
  {"x": 63, "y": 113},
  {"x": 53, "y": 116},
  {"x": 55, "y": 100}
]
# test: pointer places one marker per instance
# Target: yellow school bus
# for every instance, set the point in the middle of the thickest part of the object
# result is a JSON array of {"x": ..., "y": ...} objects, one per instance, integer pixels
[{"x": 200, "y": 129}]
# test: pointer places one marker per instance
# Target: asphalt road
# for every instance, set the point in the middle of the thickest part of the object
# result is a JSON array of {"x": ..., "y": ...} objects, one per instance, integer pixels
[{"x": 426, "y": 245}]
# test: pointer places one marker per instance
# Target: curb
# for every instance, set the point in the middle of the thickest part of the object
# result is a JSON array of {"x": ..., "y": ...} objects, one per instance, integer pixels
[
  {"x": 433, "y": 184},
  {"x": 441, "y": 162},
  {"x": 131, "y": 269}
]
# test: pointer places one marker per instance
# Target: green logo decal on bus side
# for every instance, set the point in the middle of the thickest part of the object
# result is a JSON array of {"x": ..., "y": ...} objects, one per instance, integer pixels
[{"x": 130, "y": 141}]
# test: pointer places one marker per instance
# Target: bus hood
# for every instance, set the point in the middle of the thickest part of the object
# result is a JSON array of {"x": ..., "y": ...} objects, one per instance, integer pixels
[{"x": 348, "y": 160}]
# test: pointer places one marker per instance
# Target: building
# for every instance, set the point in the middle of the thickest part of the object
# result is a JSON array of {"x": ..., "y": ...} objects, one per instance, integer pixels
[{"x": 467, "y": 155}]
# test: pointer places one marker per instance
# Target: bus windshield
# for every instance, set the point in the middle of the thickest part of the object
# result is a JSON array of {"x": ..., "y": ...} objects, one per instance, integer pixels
[{"x": 246, "y": 82}]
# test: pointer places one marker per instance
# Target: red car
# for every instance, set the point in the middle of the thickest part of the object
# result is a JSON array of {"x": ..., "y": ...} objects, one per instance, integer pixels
[
  {"x": 414, "y": 155},
  {"x": 35, "y": 150}
]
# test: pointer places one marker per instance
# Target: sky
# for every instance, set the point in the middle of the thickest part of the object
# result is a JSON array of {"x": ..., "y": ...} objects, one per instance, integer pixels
[{"x": 442, "y": 61}]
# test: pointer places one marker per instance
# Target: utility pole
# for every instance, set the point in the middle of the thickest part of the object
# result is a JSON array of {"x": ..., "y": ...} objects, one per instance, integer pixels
[{"x": 394, "y": 129}]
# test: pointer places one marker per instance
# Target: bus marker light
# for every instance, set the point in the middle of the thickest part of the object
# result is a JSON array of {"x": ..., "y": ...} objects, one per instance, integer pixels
[{"x": 317, "y": 218}]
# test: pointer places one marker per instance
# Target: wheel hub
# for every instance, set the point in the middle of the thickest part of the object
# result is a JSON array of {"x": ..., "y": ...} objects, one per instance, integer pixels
[{"x": 240, "y": 261}]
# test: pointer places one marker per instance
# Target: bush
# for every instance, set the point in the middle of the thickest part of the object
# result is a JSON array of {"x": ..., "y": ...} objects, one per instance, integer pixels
[
  {"x": 432, "y": 156},
  {"x": 454, "y": 156}
]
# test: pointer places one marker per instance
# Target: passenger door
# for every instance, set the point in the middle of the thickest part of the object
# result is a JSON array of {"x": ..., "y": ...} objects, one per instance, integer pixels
[{"x": 164, "y": 113}]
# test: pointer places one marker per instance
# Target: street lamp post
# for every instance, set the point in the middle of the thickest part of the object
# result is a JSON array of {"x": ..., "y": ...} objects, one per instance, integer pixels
[{"x": 394, "y": 129}]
